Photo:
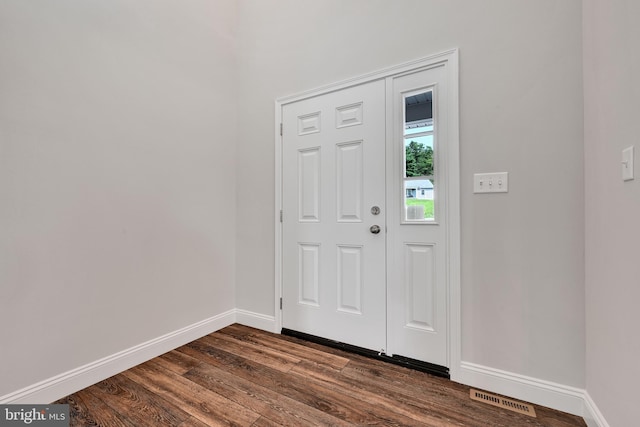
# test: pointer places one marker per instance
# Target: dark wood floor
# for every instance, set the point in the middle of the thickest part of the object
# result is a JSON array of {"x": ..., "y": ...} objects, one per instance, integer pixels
[{"x": 245, "y": 377}]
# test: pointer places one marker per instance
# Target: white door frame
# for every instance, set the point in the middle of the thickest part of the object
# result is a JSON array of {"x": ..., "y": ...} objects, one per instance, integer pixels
[{"x": 450, "y": 60}]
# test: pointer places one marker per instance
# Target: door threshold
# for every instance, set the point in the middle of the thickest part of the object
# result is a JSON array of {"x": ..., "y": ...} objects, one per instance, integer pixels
[{"x": 407, "y": 362}]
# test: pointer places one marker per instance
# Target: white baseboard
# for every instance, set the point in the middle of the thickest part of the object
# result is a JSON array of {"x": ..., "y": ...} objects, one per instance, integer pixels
[
  {"x": 256, "y": 320},
  {"x": 545, "y": 393},
  {"x": 54, "y": 388},
  {"x": 592, "y": 415}
]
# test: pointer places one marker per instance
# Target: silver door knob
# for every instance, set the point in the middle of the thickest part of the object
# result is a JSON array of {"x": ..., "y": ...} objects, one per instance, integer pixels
[{"x": 375, "y": 229}]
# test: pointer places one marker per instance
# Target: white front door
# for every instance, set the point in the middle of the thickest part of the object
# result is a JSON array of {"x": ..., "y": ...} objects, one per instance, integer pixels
[
  {"x": 370, "y": 205},
  {"x": 333, "y": 194}
]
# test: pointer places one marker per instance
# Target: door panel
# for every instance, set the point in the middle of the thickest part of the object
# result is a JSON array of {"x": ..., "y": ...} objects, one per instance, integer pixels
[
  {"x": 419, "y": 286},
  {"x": 349, "y": 181},
  {"x": 417, "y": 247},
  {"x": 333, "y": 267}
]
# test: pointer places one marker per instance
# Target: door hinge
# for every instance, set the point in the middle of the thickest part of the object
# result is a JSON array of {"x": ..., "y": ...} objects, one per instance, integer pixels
[
  {"x": 280, "y": 215},
  {"x": 280, "y": 129},
  {"x": 280, "y": 303}
]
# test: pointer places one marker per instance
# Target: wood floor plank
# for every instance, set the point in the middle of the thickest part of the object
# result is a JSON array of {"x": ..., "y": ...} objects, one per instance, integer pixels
[
  {"x": 552, "y": 418},
  {"x": 279, "y": 409},
  {"x": 246, "y": 377},
  {"x": 137, "y": 403},
  {"x": 199, "y": 402},
  {"x": 79, "y": 413},
  {"x": 275, "y": 342},
  {"x": 103, "y": 414},
  {"x": 177, "y": 362},
  {"x": 377, "y": 397},
  {"x": 265, "y": 422},
  {"x": 85, "y": 411},
  {"x": 193, "y": 422},
  {"x": 262, "y": 355}
]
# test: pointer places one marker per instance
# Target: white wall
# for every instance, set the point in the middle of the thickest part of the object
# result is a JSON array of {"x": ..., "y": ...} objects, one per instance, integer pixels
[
  {"x": 612, "y": 104},
  {"x": 117, "y": 193},
  {"x": 520, "y": 111}
]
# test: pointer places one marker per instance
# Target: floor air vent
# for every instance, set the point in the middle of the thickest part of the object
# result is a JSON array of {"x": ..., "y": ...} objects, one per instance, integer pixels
[{"x": 501, "y": 402}]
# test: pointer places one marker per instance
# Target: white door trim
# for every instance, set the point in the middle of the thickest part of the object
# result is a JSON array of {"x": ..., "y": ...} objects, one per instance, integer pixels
[{"x": 450, "y": 60}]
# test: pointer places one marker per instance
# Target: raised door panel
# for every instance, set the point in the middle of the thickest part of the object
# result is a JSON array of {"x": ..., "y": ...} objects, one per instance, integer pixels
[{"x": 349, "y": 182}]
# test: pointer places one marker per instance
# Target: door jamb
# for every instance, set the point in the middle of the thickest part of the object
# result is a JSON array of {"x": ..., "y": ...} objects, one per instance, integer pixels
[{"x": 450, "y": 60}]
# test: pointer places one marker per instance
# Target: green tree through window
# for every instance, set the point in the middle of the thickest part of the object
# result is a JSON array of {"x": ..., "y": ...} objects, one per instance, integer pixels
[{"x": 419, "y": 160}]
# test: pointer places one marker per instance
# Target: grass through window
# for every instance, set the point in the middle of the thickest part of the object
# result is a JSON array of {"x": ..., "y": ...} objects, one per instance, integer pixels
[{"x": 428, "y": 206}]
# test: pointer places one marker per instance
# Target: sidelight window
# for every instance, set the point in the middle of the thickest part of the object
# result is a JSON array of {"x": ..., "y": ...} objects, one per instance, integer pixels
[{"x": 419, "y": 157}]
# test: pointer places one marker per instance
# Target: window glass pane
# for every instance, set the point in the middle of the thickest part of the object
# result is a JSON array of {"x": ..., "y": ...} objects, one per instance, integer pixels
[
  {"x": 419, "y": 183},
  {"x": 418, "y": 156}
]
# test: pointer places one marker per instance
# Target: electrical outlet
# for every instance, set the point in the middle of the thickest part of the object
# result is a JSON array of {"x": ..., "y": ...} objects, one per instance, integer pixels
[{"x": 497, "y": 182}]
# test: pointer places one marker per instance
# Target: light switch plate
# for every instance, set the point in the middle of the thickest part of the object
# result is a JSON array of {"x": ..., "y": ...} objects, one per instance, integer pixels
[
  {"x": 496, "y": 182},
  {"x": 627, "y": 164}
]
